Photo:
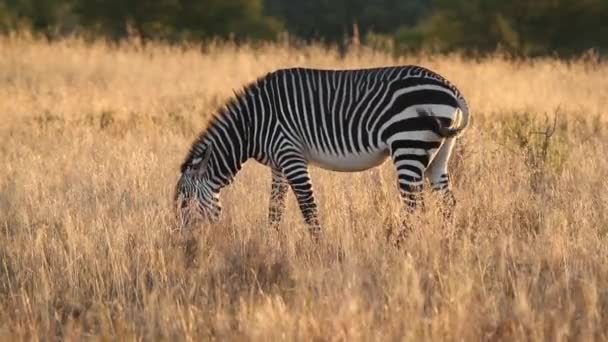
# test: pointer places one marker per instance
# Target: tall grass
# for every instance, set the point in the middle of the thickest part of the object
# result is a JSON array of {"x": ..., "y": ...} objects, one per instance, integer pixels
[{"x": 91, "y": 138}]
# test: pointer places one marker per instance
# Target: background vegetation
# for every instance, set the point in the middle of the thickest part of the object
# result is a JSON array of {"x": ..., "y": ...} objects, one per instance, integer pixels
[
  {"x": 100, "y": 100},
  {"x": 92, "y": 136},
  {"x": 520, "y": 27}
]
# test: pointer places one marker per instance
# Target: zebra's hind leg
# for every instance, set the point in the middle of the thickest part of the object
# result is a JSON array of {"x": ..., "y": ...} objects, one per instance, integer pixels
[
  {"x": 439, "y": 178},
  {"x": 411, "y": 195},
  {"x": 410, "y": 160},
  {"x": 278, "y": 193},
  {"x": 295, "y": 170}
]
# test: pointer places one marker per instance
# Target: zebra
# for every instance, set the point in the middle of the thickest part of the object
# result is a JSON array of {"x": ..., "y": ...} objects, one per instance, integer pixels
[{"x": 340, "y": 120}]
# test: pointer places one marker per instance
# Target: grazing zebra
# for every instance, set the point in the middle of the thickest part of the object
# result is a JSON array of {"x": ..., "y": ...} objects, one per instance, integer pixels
[{"x": 340, "y": 120}]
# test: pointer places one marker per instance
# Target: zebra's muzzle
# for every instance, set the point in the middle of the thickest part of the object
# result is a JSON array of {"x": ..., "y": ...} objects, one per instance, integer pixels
[{"x": 188, "y": 212}]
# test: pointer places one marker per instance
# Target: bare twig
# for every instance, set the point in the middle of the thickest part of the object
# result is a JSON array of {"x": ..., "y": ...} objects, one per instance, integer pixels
[
  {"x": 548, "y": 133},
  {"x": 539, "y": 159}
]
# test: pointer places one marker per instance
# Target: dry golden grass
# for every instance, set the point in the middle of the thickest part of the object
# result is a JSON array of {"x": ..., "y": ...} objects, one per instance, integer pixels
[{"x": 91, "y": 139}]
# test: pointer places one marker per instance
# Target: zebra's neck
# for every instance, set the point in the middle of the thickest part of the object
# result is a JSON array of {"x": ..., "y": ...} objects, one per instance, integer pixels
[{"x": 228, "y": 137}]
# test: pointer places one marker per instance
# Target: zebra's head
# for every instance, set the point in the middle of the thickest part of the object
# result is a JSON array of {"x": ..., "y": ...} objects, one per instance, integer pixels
[{"x": 195, "y": 197}]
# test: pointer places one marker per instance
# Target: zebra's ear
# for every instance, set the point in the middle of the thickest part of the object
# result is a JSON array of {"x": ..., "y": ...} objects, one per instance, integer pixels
[
  {"x": 207, "y": 155},
  {"x": 201, "y": 166}
]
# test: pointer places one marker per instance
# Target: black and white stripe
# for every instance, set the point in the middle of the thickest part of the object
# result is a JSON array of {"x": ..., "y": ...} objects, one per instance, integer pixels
[{"x": 342, "y": 120}]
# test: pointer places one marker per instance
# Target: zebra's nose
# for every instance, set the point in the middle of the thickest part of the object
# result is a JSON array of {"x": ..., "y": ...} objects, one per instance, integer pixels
[
  {"x": 189, "y": 212},
  {"x": 181, "y": 211},
  {"x": 183, "y": 204},
  {"x": 181, "y": 215}
]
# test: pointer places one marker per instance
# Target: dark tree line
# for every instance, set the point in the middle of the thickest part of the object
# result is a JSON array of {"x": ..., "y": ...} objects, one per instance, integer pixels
[
  {"x": 333, "y": 20},
  {"x": 522, "y": 27}
]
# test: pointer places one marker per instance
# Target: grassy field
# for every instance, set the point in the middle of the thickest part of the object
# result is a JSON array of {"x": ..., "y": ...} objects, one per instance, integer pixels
[{"x": 91, "y": 138}]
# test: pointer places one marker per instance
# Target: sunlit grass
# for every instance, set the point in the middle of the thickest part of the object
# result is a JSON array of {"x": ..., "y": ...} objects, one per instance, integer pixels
[{"x": 91, "y": 139}]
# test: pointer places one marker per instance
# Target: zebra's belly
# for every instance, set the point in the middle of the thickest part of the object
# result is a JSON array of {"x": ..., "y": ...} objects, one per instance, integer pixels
[{"x": 352, "y": 162}]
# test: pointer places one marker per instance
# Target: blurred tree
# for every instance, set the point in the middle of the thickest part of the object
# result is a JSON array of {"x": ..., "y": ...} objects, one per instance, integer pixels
[
  {"x": 7, "y": 18},
  {"x": 225, "y": 18},
  {"x": 333, "y": 20},
  {"x": 119, "y": 18},
  {"x": 522, "y": 27},
  {"x": 172, "y": 19},
  {"x": 47, "y": 16}
]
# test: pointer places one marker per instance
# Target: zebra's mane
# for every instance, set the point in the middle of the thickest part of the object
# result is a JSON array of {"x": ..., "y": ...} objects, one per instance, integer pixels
[{"x": 238, "y": 100}]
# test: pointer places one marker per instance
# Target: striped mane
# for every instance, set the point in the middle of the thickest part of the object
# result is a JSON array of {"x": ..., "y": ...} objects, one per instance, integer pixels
[{"x": 232, "y": 105}]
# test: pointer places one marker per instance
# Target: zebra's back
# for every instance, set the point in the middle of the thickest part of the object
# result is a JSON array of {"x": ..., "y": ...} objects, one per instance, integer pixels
[{"x": 338, "y": 113}]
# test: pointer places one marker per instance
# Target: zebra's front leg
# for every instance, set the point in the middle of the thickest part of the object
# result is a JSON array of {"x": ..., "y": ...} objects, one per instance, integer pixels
[
  {"x": 296, "y": 173},
  {"x": 278, "y": 193}
]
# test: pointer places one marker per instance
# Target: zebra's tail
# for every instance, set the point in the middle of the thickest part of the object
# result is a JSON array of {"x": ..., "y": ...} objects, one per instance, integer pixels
[{"x": 445, "y": 131}]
